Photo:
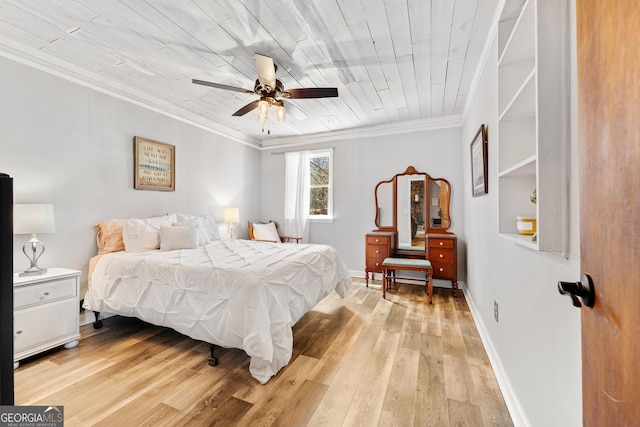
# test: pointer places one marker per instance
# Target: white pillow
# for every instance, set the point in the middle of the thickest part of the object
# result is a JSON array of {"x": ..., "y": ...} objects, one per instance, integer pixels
[
  {"x": 178, "y": 237},
  {"x": 198, "y": 223},
  {"x": 211, "y": 228},
  {"x": 140, "y": 236},
  {"x": 266, "y": 232}
]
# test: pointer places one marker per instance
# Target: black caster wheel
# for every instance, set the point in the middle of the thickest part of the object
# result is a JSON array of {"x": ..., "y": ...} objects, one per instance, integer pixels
[
  {"x": 213, "y": 361},
  {"x": 97, "y": 324}
]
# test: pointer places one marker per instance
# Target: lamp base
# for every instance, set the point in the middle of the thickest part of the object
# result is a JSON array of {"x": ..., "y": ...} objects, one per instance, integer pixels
[
  {"x": 33, "y": 269},
  {"x": 33, "y": 272}
]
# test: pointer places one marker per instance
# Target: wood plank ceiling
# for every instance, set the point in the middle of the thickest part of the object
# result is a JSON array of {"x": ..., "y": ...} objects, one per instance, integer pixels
[{"x": 391, "y": 60}]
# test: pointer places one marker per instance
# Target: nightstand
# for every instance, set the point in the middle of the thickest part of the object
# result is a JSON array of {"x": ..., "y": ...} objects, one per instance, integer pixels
[{"x": 46, "y": 312}]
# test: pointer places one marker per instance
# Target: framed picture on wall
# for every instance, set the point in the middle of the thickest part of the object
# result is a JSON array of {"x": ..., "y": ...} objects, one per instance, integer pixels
[
  {"x": 154, "y": 165},
  {"x": 479, "y": 167}
]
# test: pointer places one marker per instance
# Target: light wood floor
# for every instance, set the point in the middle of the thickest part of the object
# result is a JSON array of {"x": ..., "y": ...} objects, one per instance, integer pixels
[{"x": 362, "y": 361}]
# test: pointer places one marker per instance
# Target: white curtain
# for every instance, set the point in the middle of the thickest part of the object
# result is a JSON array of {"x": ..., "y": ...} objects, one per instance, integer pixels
[{"x": 296, "y": 195}]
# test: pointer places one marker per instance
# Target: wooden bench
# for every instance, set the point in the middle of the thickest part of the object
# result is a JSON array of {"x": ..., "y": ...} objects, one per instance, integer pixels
[{"x": 391, "y": 265}]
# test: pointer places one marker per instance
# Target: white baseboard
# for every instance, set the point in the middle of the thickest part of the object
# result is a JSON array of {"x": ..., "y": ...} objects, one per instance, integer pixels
[{"x": 516, "y": 411}]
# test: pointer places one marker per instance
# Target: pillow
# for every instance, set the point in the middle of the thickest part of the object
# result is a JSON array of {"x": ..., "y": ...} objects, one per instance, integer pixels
[
  {"x": 140, "y": 235},
  {"x": 178, "y": 237},
  {"x": 158, "y": 221},
  {"x": 109, "y": 236},
  {"x": 198, "y": 223},
  {"x": 211, "y": 228},
  {"x": 223, "y": 231},
  {"x": 265, "y": 232}
]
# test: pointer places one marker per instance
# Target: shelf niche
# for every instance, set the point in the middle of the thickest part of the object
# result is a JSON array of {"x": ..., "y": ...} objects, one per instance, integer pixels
[{"x": 533, "y": 121}]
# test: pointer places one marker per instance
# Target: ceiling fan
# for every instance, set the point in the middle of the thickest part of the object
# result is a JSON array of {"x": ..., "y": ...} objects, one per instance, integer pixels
[{"x": 271, "y": 91}]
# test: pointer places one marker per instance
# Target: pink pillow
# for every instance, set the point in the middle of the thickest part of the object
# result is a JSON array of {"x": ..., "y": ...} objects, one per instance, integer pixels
[{"x": 109, "y": 236}]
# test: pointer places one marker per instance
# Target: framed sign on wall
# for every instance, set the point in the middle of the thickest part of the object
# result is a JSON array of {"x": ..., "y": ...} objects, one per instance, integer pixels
[
  {"x": 154, "y": 165},
  {"x": 479, "y": 167}
]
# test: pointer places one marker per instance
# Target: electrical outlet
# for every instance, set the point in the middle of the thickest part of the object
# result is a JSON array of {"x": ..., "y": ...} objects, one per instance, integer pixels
[{"x": 495, "y": 310}]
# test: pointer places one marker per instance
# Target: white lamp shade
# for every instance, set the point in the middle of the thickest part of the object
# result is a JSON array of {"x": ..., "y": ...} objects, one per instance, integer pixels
[
  {"x": 231, "y": 215},
  {"x": 33, "y": 219}
]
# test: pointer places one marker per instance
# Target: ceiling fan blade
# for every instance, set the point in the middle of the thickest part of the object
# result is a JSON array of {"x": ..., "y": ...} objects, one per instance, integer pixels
[
  {"x": 312, "y": 92},
  {"x": 244, "y": 110},
  {"x": 221, "y": 86},
  {"x": 266, "y": 70}
]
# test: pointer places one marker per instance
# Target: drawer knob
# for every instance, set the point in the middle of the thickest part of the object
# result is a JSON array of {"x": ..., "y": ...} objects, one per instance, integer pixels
[
  {"x": 377, "y": 264},
  {"x": 441, "y": 243},
  {"x": 378, "y": 251},
  {"x": 441, "y": 256},
  {"x": 441, "y": 269},
  {"x": 377, "y": 240},
  {"x": 46, "y": 294},
  {"x": 18, "y": 332}
]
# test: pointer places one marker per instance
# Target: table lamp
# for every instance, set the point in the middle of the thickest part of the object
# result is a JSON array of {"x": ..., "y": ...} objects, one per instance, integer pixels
[
  {"x": 33, "y": 219},
  {"x": 231, "y": 215}
]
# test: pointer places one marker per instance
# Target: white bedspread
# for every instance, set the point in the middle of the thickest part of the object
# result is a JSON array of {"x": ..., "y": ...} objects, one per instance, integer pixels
[{"x": 233, "y": 293}]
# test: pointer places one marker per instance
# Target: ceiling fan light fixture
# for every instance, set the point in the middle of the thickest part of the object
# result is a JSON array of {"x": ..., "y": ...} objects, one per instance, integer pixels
[
  {"x": 281, "y": 114},
  {"x": 263, "y": 108}
]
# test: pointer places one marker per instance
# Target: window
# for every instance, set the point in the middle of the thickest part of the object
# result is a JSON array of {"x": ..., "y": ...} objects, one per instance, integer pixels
[{"x": 320, "y": 185}]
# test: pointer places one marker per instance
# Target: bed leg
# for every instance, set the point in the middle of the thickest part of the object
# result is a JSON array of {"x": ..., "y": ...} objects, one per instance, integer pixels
[
  {"x": 98, "y": 323},
  {"x": 213, "y": 361}
]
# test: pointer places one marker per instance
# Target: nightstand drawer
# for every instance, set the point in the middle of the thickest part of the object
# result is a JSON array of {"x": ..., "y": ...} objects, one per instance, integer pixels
[
  {"x": 45, "y": 326},
  {"x": 441, "y": 255},
  {"x": 440, "y": 243},
  {"x": 44, "y": 293}
]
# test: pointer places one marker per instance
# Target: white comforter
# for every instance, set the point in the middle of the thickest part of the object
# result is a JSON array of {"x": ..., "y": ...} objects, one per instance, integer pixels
[{"x": 233, "y": 293}]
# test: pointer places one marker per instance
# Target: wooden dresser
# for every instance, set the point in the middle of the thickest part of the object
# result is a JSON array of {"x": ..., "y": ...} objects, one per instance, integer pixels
[
  {"x": 378, "y": 246},
  {"x": 442, "y": 252}
]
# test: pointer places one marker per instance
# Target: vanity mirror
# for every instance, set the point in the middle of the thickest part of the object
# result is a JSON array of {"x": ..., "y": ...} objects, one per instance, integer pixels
[
  {"x": 404, "y": 205},
  {"x": 412, "y": 220}
]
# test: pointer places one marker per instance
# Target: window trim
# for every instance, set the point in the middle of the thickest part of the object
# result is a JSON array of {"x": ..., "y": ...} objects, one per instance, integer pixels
[{"x": 329, "y": 216}]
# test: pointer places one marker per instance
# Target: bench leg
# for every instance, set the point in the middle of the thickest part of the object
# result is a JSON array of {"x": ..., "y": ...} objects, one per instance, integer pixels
[
  {"x": 429, "y": 287},
  {"x": 385, "y": 278}
]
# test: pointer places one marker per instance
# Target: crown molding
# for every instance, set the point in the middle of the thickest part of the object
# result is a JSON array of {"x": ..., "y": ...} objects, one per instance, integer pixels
[
  {"x": 445, "y": 122},
  {"x": 36, "y": 59}
]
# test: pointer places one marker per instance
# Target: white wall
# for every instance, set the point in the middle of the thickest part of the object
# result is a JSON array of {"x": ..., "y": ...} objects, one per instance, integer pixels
[
  {"x": 535, "y": 346},
  {"x": 71, "y": 146},
  {"x": 359, "y": 164}
]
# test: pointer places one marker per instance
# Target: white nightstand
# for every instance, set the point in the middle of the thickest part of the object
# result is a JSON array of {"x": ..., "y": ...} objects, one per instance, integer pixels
[{"x": 46, "y": 311}]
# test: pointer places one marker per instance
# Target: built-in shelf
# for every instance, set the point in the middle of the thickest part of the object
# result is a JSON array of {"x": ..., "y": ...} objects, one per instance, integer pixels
[
  {"x": 533, "y": 121},
  {"x": 527, "y": 167},
  {"x": 521, "y": 240}
]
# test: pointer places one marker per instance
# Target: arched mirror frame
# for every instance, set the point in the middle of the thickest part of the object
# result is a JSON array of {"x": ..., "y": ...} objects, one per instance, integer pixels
[
  {"x": 445, "y": 204},
  {"x": 394, "y": 200}
]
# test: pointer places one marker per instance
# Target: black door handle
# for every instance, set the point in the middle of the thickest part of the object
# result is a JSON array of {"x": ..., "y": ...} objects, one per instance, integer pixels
[{"x": 583, "y": 289}]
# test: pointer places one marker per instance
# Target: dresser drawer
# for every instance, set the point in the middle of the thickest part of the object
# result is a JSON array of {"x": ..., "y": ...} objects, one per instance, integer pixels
[
  {"x": 374, "y": 264},
  {"x": 442, "y": 270},
  {"x": 44, "y": 293},
  {"x": 378, "y": 251},
  {"x": 440, "y": 243},
  {"x": 441, "y": 255},
  {"x": 41, "y": 326},
  {"x": 378, "y": 240}
]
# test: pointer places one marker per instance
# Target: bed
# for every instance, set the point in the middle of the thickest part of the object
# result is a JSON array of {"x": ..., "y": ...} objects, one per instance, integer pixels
[{"x": 231, "y": 293}]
